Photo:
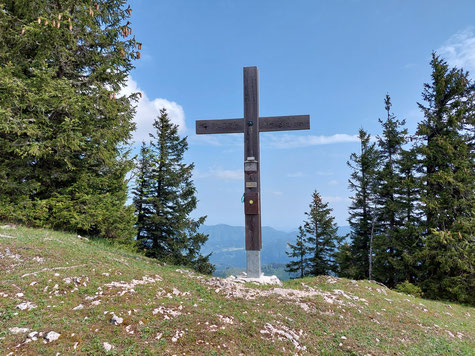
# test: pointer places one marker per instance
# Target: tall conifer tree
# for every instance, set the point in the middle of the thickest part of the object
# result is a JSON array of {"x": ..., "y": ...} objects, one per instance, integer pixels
[
  {"x": 408, "y": 234},
  {"x": 62, "y": 124},
  {"x": 388, "y": 254},
  {"x": 447, "y": 169},
  {"x": 363, "y": 212},
  {"x": 321, "y": 237},
  {"x": 166, "y": 229},
  {"x": 299, "y": 266},
  {"x": 142, "y": 190}
]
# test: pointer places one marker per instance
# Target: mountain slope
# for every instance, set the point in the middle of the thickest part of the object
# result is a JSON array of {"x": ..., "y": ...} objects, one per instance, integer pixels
[{"x": 64, "y": 294}]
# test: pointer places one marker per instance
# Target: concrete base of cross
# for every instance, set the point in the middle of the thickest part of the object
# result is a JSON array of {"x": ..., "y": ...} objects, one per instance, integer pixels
[{"x": 253, "y": 263}]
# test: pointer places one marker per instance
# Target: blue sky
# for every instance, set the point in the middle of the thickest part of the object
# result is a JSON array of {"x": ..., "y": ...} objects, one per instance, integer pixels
[{"x": 334, "y": 60}]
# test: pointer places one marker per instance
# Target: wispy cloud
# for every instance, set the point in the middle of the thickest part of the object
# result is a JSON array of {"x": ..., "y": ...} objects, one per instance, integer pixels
[
  {"x": 219, "y": 173},
  {"x": 333, "y": 182},
  {"x": 324, "y": 173},
  {"x": 336, "y": 199},
  {"x": 294, "y": 141},
  {"x": 148, "y": 109},
  {"x": 459, "y": 50},
  {"x": 295, "y": 174},
  {"x": 217, "y": 140}
]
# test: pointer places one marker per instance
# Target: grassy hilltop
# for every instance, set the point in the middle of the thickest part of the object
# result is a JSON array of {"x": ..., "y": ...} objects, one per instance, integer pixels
[{"x": 103, "y": 300}]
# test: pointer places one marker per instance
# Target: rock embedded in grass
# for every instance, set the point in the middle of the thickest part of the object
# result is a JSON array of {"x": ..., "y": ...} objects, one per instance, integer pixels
[
  {"x": 16, "y": 330},
  {"x": 26, "y": 306},
  {"x": 107, "y": 346},
  {"x": 115, "y": 320},
  {"x": 52, "y": 336}
]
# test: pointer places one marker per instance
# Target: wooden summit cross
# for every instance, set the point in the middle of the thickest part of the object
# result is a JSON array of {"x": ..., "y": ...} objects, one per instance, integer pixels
[{"x": 251, "y": 125}]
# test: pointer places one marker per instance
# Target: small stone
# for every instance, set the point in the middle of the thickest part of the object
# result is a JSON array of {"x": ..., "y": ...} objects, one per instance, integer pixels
[
  {"x": 19, "y": 295},
  {"x": 79, "y": 307},
  {"x": 52, "y": 336},
  {"x": 116, "y": 320},
  {"x": 343, "y": 337},
  {"x": 107, "y": 346},
  {"x": 16, "y": 330},
  {"x": 26, "y": 306},
  {"x": 32, "y": 334}
]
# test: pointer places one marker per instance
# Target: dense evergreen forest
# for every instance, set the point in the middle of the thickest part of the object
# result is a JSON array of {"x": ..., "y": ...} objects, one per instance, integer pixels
[{"x": 65, "y": 158}]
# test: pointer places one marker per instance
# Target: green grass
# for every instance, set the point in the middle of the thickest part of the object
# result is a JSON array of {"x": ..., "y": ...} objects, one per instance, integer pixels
[{"x": 342, "y": 317}]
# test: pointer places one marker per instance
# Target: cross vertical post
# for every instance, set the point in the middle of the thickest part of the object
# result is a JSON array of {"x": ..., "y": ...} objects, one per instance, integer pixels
[
  {"x": 252, "y": 206},
  {"x": 251, "y": 125}
]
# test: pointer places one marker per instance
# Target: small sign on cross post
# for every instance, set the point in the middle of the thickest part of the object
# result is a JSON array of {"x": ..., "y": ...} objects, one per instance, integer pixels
[{"x": 251, "y": 125}]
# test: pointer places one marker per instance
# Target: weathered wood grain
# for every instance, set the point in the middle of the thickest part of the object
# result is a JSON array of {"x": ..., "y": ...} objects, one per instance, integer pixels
[
  {"x": 219, "y": 126},
  {"x": 266, "y": 124},
  {"x": 251, "y": 149},
  {"x": 284, "y": 123}
]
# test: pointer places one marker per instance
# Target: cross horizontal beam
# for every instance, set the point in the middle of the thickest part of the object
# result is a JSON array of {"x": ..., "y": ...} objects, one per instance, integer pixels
[{"x": 266, "y": 124}]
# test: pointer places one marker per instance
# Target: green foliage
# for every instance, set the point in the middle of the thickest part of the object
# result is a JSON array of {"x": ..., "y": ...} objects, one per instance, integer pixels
[
  {"x": 62, "y": 129},
  {"x": 447, "y": 170},
  {"x": 316, "y": 243},
  {"x": 164, "y": 197},
  {"x": 362, "y": 209},
  {"x": 417, "y": 204},
  {"x": 395, "y": 199},
  {"x": 409, "y": 288},
  {"x": 298, "y": 251}
]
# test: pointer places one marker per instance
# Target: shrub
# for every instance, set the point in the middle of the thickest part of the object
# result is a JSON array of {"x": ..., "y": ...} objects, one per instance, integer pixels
[{"x": 409, "y": 288}]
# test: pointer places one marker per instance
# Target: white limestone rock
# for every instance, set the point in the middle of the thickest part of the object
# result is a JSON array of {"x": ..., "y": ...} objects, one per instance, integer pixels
[
  {"x": 116, "y": 320},
  {"x": 52, "y": 336},
  {"x": 16, "y": 330},
  {"x": 263, "y": 280},
  {"x": 26, "y": 306},
  {"x": 107, "y": 346}
]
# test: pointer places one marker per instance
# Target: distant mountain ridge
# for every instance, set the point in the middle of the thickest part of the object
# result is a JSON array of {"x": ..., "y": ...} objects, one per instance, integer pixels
[{"x": 226, "y": 243}]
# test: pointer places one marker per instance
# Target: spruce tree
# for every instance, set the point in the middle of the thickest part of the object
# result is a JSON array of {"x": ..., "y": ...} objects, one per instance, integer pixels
[
  {"x": 363, "y": 215},
  {"x": 166, "y": 230},
  {"x": 388, "y": 255},
  {"x": 142, "y": 190},
  {"x": 408, "y": 234},
  {"x": 447, "y": 170},
  {"x": 63, "y": 126},
  {"x": 321, "y": 237},
  {"x": 299, "y": 266}
]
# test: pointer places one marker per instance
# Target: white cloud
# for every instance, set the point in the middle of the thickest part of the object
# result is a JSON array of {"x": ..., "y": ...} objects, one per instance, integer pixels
[
  {"x": 219, "y": 173},
  {"x": 294, "y": 141},
  {"x": 459, "y": 50},
  {"x": 295, "y": 174},
  {"x": 336, "y": 199},
  {"x": 216, "y": 140},
  {"x": 324, "y": 173},
  {"x": 228, "y": 174},
  {"x": 148, "y": 109}
]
